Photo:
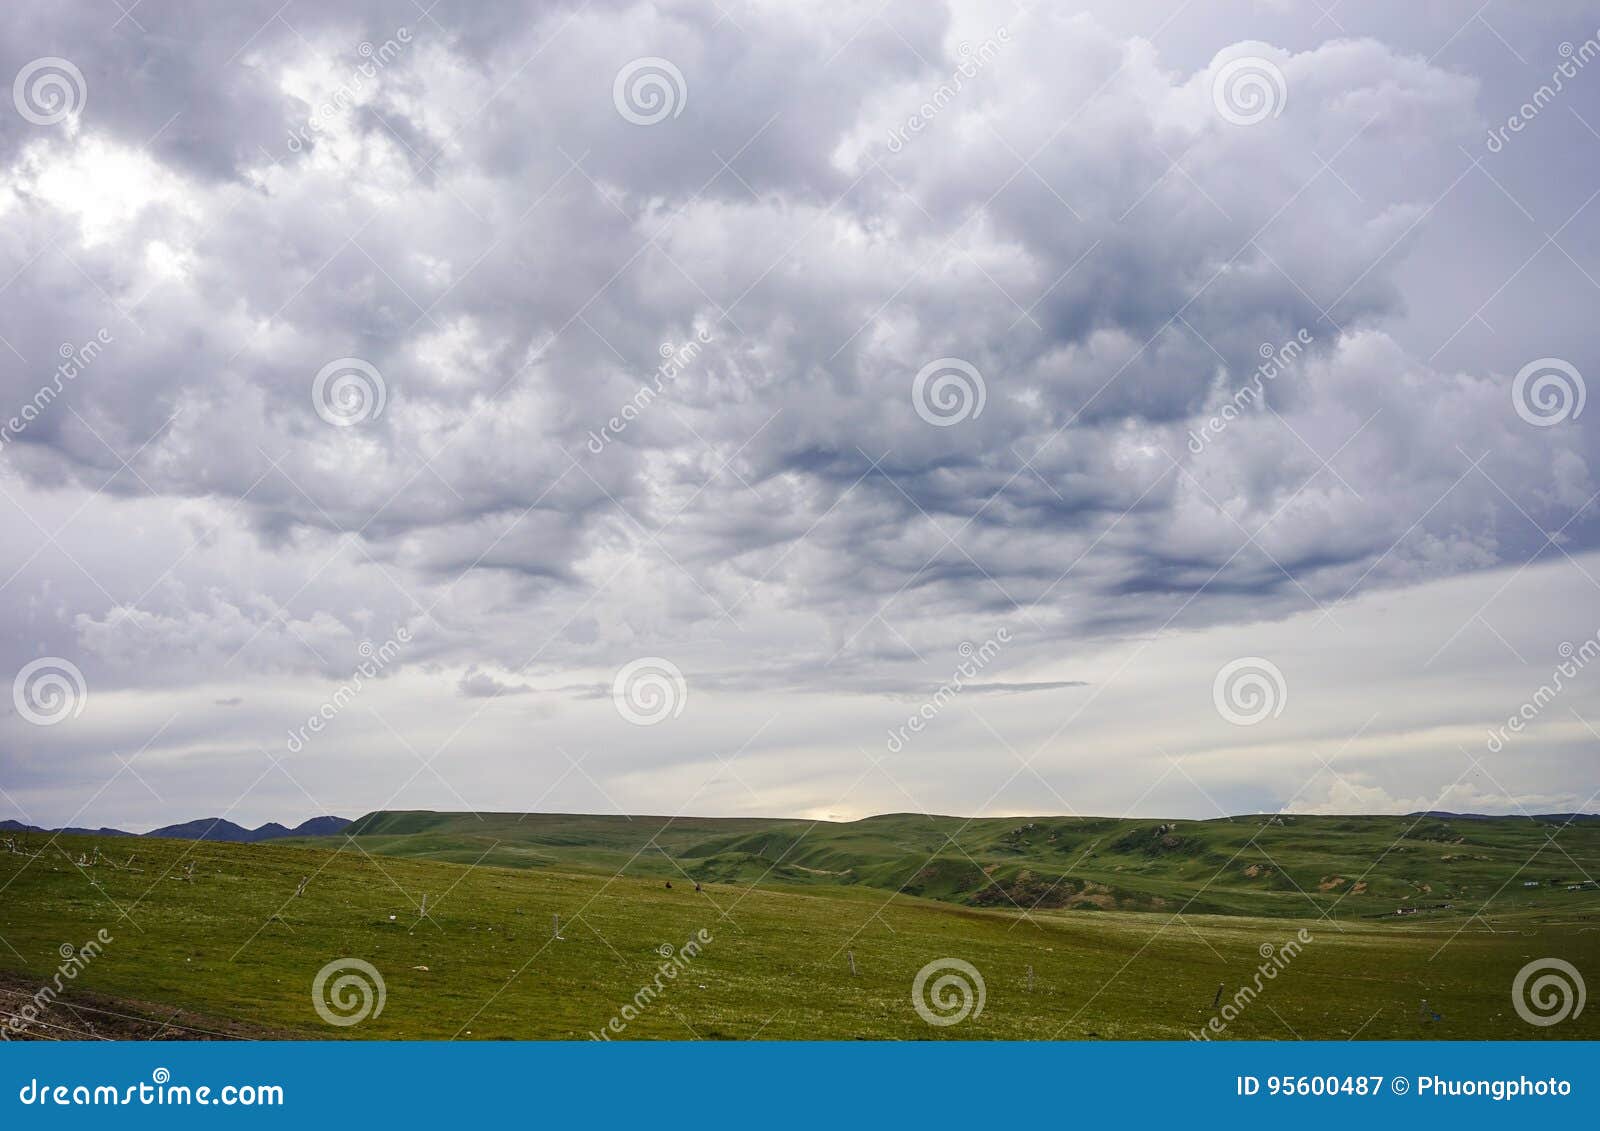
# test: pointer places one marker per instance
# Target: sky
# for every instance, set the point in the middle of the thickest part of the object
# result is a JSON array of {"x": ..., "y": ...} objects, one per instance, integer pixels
[{"x": 720, "y": 408}]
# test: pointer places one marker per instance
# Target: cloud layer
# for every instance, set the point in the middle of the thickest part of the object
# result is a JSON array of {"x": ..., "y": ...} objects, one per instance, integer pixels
[{"x": 795, "y": 349}]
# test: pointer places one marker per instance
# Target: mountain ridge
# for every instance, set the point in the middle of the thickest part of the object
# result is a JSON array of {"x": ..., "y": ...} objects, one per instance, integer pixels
[
  {"x": 1264, "y": 863},
  {"x": 205, "y": 829}
]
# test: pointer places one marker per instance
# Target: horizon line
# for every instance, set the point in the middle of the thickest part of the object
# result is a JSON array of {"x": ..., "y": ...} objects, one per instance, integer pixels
[{"x": 1569, "y": 815}]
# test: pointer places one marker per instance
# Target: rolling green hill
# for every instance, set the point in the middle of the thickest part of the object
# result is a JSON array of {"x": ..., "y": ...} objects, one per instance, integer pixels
[
  {"x": 217, "y": 931},
  {"x": 1292, "y": 866}
]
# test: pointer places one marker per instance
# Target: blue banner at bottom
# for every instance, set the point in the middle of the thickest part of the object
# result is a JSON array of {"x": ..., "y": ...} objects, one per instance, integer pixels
[{"x": 792, "y": 1085}]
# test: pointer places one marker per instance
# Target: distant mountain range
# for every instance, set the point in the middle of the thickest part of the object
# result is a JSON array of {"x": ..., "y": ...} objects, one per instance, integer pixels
[
  {"x": 219, "y": 829},
  {"x": 207, "y": 828}
]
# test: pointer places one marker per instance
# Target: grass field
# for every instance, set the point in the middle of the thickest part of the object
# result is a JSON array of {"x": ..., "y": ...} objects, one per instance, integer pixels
[{"x": 233, "y": 942}]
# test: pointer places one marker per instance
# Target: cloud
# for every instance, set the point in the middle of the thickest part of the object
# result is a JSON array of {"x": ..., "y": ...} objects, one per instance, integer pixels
[
  {"x": 1016, "y": 688},
  {"x": 481, "y": 685},
  {"x": 750, "y": 289},
  {"x": 912, "y": 690}
]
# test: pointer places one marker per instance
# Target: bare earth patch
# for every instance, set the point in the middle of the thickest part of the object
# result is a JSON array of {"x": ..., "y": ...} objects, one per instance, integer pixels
[{"x": 80, "y": 1016}]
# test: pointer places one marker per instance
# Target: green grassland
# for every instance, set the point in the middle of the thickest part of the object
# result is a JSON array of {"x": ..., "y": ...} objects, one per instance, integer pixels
[
  {"x": 233, "y": 941},
  {"x": 1256, "y": 865}
]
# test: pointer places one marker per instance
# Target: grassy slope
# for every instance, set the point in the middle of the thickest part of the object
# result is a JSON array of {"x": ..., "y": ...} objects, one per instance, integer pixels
[
  {"x": 1289, "y": 866},
  {"x": 233, "y": 942}
]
